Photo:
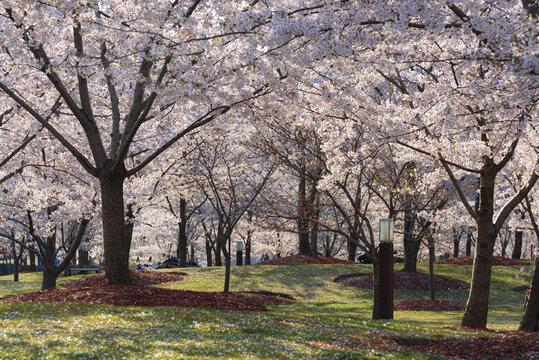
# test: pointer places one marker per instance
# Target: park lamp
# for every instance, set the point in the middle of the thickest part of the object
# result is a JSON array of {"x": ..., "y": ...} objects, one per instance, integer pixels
[
  {"x": 386, "y": 230},
  {"x": 239, "y": 245}
]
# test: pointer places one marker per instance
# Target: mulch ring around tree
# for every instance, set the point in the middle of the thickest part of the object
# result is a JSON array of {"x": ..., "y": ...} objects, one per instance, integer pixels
[
  {"x": 468, "y": 260},
  {"x": 409, "y": 281},
  {"x": 94, "y": 290},
  {"x": 305, "y": 260},
  {"x": 513, "y": 345},
  {"x": 429, "y": 305}
]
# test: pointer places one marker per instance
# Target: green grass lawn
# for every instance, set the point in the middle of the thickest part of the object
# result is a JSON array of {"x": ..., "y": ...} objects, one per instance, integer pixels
[{"x": 328, "y": 321}]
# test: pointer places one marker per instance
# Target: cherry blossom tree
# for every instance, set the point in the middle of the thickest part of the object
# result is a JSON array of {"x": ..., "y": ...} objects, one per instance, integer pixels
[
  {"x": 231, "y": 178},
  {"x": 132, "y": 86}
]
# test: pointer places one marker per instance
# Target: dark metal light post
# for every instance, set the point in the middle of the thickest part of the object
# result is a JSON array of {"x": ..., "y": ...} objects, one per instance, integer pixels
[
  {"x": 239, "y": 253},
  {"x": 385, "y": 256}
]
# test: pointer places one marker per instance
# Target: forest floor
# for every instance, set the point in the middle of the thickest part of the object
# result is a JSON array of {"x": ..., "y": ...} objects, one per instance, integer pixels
[{"x": 327, "y": 320}]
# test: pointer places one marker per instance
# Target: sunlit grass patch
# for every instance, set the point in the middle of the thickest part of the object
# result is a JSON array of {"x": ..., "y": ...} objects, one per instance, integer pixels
[{"x": 328, "y": 321}]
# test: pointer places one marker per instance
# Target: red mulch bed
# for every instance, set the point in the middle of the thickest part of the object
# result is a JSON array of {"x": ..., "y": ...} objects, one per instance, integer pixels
[
  {"x": 518, "y": 345},
  {"x": 429, "y": 305},
  {"x": 468, "y": 260},
  {"x": 94, "y": 290},
  {"x": 138, "y": 277},
  {"x": 410, "y": 281},
  {"x": 304, "y": 260}
]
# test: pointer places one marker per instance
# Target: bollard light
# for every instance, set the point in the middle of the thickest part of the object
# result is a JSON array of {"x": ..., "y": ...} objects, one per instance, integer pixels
[
  {"x": 385, "y": 263},
  {"x": 386, "y": 230},
  {"x": 239, "y": 253}
]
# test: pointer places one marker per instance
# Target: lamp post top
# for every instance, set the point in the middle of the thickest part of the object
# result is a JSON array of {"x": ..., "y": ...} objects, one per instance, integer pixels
[{"x": 386, "y": 230}]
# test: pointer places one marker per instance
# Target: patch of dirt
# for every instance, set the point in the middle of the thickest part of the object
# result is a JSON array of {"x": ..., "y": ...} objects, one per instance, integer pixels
[
  {"x": 304, "y": 260},
  {"x": 139, "y": 277},
  {"x": 516, "y": 346},
  {"x": 429, "y": 305},
  {"x": 409, "y": 281},
  {"x": 468, "y": 260},
  {"x": 94, "y": 290},
  {"x": 340, "y": 278}
]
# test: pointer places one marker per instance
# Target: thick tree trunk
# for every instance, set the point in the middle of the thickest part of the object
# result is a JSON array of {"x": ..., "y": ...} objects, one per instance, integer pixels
[
  {"x": 517, "y": 249},
  {"x": 411, "y": 244},
  {"x": 476, "y": 312},
  {"x": 181, "y": 252},
  {"x": 49, "y": 279},
  {"x": 49, "y": 264},
  {"x": 530, "y": 318},
  {"x": 208, "y": 253},
  {"x": 114, "y": 239},
  {"x": 303, "y": 221},
  {"x": 351, "y": 248}
]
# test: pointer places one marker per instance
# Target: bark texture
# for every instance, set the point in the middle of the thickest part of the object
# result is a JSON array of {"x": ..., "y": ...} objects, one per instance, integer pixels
[
  {"x": 517, "y": 249},
  {"x": 114, "y": 240},
  {"x": 181, "y": 252},
  {"x": 302, "y": 218},
  {"x": 411, "y": 244},
  {"x": 531, "y": 313},
  {"x": 476, "y": 312}
]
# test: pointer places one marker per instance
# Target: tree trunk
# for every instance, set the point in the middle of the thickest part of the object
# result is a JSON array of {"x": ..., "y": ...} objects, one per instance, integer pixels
[
  {"x": 182, "y": 237},
  {"x": 83, "y": 257},
  {"x": 375, "y": 288},
  {"x": 15, "y": 263},
  {"x": 476, "y": 312},
  {"x": 32, "y": 256},
  {"x": 217, "y": 254},
  {"x": 208, "y": 253},
  {"x": 114, "y": 241},
  {"x": 517, "y": 249},
  {"x": 530, "y": 318},
  {"x": 303, "y": 221},
  {"x": 431, "y": 269},
  {"x": 49, "y": 279},
  {"x": 469, "y": 242},
  {"x": 192, "y": 257},
  {"x": 129, "y": 227},
  {"x": 503, "y": 244},
  {"x": 456, "y": 243},
  {"x": 327, "y": 247},
  {"x": 49, "y": 264},
  {"x": 226, "y": 253},
  {"x": 314, "y": 215},
  {"x": 351, "y": 248},
  {"x": 411, "y": 244},
  {"x": 248, "y": 248}
]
